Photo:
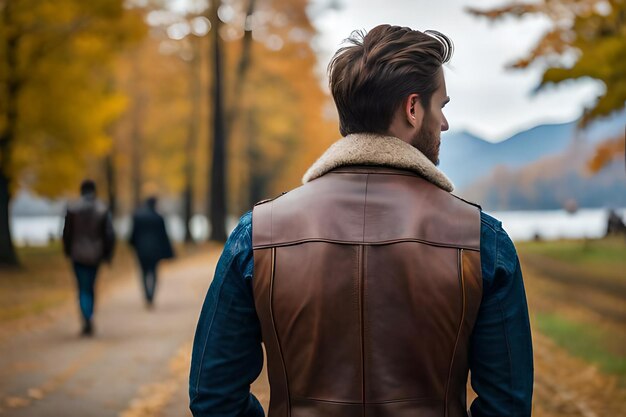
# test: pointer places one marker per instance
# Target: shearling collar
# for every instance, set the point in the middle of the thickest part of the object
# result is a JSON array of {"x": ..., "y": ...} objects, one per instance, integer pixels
[{"x": 374, "y": 149}]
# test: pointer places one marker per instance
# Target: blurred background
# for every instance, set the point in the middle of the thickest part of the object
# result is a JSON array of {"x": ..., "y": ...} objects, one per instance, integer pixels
[{"x": 215, "y": 105}]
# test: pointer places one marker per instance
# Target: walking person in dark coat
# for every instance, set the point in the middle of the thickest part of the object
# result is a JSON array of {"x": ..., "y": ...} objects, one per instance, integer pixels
[
  {"x": 88, "y": 239},
  {"x": 152, "y": 244}
]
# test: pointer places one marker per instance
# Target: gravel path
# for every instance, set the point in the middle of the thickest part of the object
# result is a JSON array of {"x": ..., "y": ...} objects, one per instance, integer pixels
[
  {"x": 138, "y": 362},
  {"x": 130, "y": 363}
]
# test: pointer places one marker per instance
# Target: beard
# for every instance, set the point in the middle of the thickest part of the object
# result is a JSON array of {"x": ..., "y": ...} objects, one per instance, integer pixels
[{"x": 427, "y": 140}]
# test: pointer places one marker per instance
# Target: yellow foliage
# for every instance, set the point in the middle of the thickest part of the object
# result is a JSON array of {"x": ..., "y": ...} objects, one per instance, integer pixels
[
  {"x": 64, "y": 101},
  {"x": 282, "y": 128},
  {"x": 86, "y": 95},
  {"x": 592, "y": 31},
  {"x": 605, "y": 153},
  {"x": 151, "y": 136}
]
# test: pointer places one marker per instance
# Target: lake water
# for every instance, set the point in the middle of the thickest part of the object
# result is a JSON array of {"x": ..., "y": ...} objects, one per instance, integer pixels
[
  {"x": 555, "y": 224},
  {"x": 521, "y": 225},
  {"x": 39, "y": 230}
]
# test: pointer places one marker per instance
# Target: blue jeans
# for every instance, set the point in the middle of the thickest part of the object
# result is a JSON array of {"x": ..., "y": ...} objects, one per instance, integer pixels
[
  {"x": 86, "y": 278},
  {"x": 148, "y": 273}
]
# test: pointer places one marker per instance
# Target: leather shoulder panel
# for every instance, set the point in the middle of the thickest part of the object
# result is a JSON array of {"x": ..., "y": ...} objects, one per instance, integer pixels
[{"x": 368, "y": 207}]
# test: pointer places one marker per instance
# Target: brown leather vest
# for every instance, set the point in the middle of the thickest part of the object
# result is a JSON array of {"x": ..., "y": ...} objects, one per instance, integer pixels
[
  {"x": 367, "y": 283},
  {"x": 86, "y": 237}
]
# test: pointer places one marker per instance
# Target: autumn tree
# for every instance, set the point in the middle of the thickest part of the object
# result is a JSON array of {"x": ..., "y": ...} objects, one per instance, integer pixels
[
  {"x": 269, "y": 124},
  {"x": 55, "y": 104},
  {"x": 281, "y": 127},
  {"x": 217, "y": 189},
  {"x": 605, "y": 153},
  {"x": 587, "y": 39},
  {"x": 151, "y": 136},
  {"x": 195, "y": 97},
  {"x": 267, "y": 102}
]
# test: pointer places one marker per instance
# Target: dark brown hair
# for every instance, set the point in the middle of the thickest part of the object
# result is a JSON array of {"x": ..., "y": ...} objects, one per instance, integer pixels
[
  {"x": 370, "y": 77},
  {"x": 87, "y": 187}
]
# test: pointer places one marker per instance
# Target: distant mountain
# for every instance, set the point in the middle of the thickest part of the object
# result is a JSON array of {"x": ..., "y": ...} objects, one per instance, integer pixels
[
  {"x": 539, "y": 161},
  {"x": 552, "y": 183},
  {"x": 466, "y": 158}
]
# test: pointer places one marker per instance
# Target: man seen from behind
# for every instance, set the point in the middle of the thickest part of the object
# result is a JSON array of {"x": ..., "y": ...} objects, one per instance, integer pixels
[
  {"x": 374, "y": 290},
  {"x": 88, "y": 239},
  {"x": 151, "y": 243}
]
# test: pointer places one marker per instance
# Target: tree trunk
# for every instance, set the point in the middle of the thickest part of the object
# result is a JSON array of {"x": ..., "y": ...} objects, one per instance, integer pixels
[
  {"x": 8, "y": 255},
  {"x": 188, "y": 212},
  {"x": 217, "y": 193},
  {"x": 109, "y": 171},
  {"x": 258, "y": 184},
  {"x": 136, "y": 163},
  {"x": 137, "y": 121},
  {"x": 243, "y": 66},
  {"x": 251, "y": 155},
  {"x": 194, "y": 128}
]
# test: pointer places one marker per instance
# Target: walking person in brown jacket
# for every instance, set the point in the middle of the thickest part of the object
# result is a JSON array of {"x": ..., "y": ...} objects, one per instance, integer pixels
[{"x": 88, "y": 239}]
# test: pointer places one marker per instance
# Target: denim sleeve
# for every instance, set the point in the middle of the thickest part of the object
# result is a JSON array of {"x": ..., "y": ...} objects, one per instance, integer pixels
[
  {"x": 227, "y": 355},
  {"x": 501, "y": 357}
]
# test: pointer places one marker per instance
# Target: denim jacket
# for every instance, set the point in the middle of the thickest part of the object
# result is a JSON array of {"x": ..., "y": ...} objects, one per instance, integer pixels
[{"x": 227, "y": 355}]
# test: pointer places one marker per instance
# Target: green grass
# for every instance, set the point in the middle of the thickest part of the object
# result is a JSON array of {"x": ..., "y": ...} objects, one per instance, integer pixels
[
  {"x": 583, "y": 252},
  {"x": 585, "y": 341},
  {"x": 52, "y": 249},
  {"x": 45, "y": 278}
]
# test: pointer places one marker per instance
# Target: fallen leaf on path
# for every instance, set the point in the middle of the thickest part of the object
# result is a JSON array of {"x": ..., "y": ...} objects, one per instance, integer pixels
[
  {"x": 35, "y": 393},
  {"x": 16, "y": 402}
]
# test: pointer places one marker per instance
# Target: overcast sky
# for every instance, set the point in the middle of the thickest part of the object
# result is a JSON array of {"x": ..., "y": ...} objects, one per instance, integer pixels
[{"x": 486, "y": 99}]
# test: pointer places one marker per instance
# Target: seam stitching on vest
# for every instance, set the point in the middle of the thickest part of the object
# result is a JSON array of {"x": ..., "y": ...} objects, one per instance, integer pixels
[
  {"x": 458, "y": 335},
  {"x": 280, "y": 351},
  {"x": 352, "y": 242},
  {"x": 367, "y": 178},
  {"x": 403, "y": 400},
  {"x": 271, "y": 222},
  {"x": 356, "y": 290},
  {"x": 362, "y": 297},
  {"x": 361, "y": 324}
]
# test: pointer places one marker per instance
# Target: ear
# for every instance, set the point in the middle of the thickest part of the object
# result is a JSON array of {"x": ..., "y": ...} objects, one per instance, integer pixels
[{"x": 413, "y": 110}]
